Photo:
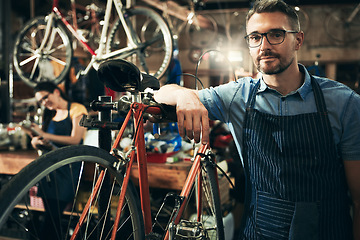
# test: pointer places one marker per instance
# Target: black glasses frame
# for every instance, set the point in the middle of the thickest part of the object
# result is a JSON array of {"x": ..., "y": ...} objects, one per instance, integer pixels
[
  {"x": 265, "y": 34},
  {"x": 44, "y": 98}
]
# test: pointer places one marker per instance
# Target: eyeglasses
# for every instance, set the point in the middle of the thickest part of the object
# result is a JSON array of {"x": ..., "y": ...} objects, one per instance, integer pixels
[
  {"x": 44, "y": 98},
  {"x": 274, "y": 37}
]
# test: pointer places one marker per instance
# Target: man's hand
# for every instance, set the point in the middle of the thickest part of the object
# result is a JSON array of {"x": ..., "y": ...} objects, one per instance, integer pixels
[{"x": 192, "y": 116}]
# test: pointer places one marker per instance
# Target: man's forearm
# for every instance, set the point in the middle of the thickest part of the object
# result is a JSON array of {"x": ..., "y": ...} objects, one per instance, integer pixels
[
  {"x": 170, "y": 94},
  {"x": 192, "y": 116}
]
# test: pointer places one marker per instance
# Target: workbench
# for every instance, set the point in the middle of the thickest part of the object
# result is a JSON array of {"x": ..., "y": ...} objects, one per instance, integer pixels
[
  {"x": 11, "y": 162},
  {"x": 161, "y": 175}
]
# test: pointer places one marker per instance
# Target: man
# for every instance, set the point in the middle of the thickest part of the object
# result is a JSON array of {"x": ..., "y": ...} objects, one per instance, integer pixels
[{"x": 298, "y": 135}]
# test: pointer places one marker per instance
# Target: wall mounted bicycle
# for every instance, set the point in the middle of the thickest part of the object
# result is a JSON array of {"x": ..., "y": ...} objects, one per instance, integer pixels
[
  {"x": 343, "y": 24},
  {"x": 43, "y": 49}
]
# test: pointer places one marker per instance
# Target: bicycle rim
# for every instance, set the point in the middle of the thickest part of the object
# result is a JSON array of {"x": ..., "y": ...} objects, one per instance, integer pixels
[
  {"x": 202, "y": 37},
  {"x": 152, "y": 36},
  {"x": 54, "y": 176},
  {"x": 52, "y": 63},
  {"x": 339, "y": 29},
  {"x": 234, "y": 28}
]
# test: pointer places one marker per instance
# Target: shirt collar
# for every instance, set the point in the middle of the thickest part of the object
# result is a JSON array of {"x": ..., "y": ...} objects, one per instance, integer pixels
[{"x": 302, "y": 91}]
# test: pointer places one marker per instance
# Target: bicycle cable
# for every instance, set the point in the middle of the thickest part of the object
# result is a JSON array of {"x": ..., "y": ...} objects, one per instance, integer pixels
[
  {"x": 213, "y": 163},
  {"x": 208, "y": 51}
]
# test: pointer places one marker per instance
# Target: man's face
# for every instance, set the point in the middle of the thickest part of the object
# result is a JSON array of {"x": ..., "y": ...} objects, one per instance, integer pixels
[{"x": 272, "y": 59}]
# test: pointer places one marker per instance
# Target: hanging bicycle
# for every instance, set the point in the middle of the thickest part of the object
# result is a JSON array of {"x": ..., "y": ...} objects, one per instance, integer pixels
[{"x": 43, "y": 49}]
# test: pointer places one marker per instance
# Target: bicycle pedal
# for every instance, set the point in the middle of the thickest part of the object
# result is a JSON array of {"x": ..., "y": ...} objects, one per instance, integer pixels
[{"x": 188, "y": 230}]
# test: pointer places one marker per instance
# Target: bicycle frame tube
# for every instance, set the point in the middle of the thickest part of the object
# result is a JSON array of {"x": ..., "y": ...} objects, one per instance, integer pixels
[
  {"x": 194, "y": 171},
  {"x": 136, "y": 111},
  {"x": 73, "y": 31},
  {"x": 142, "y": 166},
  {"x": 55, "y": 3},
  {"x": 119, "y": 6},
  {"x": 131, "y": 45},
  {"x": 47, "y": 31},
  {"x": 353, "y": 14},
  {"x": 105, "y": 28}
]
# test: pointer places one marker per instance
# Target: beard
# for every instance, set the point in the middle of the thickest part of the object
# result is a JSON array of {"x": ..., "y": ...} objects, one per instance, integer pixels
[{"x": 278, "y": 68}]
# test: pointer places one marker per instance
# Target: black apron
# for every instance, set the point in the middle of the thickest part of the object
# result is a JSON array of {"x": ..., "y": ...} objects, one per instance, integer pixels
[
  {"x": 61, "y": 184},
  {"x": 61, "y": 128},
  {"x": 296, "y": 185}
]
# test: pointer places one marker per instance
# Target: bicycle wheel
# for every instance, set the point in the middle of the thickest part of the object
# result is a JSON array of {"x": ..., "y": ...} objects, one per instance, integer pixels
[
  {"x": 52, "y": 63},
  {"x": 303, "y": 19},
  {"x": 202, "y": 37},
  {"x": 65, "y": 177},
  {"x": 211, "y": 214},
  {"x": 154, "y": 44},
  {"x": 342, "y": 29},
  {"x": 234, "y": 28}
]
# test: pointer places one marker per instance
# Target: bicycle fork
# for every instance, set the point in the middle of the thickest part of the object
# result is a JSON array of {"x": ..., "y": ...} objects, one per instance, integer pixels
[{"x": 183, "y": 228}]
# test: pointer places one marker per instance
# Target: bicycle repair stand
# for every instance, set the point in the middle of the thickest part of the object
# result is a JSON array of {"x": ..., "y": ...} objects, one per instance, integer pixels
[{"x": 105, "y": 125}]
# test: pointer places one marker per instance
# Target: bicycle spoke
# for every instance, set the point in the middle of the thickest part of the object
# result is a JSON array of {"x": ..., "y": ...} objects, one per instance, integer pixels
[
  {"x": 143, "y": 63},
  {"x": 37, "y": 60},
  {"x": 57, "y": 60},
  {"x": 150, "y": 42},
  {"x": 26, "y": 61},
  {"x": 55, "y": 49},
  {"x": 26, "y": 46}
]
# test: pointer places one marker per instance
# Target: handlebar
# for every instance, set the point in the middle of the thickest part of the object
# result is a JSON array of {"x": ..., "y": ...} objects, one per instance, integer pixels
[{"x": 153, "y": 111}]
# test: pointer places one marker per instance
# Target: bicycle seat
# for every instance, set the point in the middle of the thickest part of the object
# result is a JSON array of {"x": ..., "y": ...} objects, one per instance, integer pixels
[{"x": 122, "y": 76}]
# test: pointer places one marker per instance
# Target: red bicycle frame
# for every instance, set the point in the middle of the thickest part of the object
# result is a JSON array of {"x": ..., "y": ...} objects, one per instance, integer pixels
[
  {"x": 137, "y": 110},
  {"x": 56, "y": 10}
]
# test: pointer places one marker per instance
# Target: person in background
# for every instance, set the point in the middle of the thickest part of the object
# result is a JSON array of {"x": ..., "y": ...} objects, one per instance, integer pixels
[
  {"x": 60, "y": 128},
  {"x": 298, "y": 135},
  {"x": 60, "y": 119}
]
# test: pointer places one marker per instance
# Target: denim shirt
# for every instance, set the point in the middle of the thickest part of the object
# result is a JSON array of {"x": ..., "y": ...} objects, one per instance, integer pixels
[{"x": 227, "y": 104}]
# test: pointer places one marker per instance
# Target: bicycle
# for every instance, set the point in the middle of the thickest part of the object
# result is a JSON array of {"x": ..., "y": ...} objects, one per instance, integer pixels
[
  {"x": 200, "y": 29},
  {"x": 43, "y": 51},
  {"x": 343, "y": 25},
  {"x": 303, "y": 19},
  {"x": 234, "y": 28},
  {"x": 86, "y": 20},
  {"x": 113, "y": 205}
]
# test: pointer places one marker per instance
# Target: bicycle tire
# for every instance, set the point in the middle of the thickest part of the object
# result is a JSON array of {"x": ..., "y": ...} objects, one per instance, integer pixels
[
  {"x": 51, "y": 64},
  {"x": 16, "y": 192},
  {"x": 234, "y": 27},
  {"x": 211, "y": 214},
  {"x": 341, "y": 31},
  {"x": 153, "y": 59},
  {"x": 201, "y": 37},
  {"x": 303, "y": 19}
]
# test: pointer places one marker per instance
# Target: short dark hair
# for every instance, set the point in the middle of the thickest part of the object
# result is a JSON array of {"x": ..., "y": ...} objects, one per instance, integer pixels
[{"x": 266, "y": 6}]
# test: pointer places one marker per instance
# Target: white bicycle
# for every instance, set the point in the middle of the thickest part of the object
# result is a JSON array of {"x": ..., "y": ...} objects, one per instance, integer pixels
[{"x": 43, "y": 49}]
